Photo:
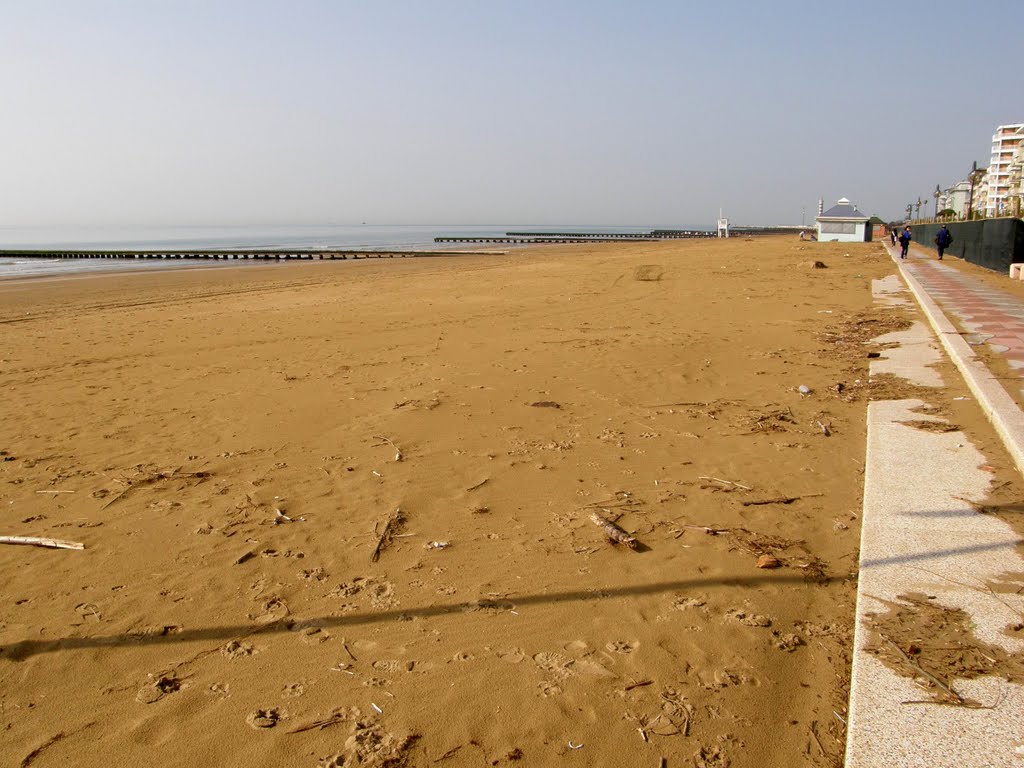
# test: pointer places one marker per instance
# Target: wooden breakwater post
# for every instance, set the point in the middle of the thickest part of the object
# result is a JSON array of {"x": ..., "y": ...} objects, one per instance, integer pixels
[{"x": 244, "y": 255}]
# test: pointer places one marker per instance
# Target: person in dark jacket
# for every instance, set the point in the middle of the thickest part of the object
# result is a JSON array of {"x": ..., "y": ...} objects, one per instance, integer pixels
[
  {"x": 905, "y": 239},
  {"x": 943, "y": 240}
]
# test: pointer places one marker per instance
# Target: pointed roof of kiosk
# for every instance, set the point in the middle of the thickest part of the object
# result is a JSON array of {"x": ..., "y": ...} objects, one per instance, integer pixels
[{"x": 843, "y": 209}]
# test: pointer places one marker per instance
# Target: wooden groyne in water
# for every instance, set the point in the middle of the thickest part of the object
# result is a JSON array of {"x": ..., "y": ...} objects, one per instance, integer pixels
[
  {"x": 270, "y": 255},
  {"x": 585, "y": 235},
  {"x": 293, "y": 254},
  {"x": 541, "y": 240},
  {"x": 675, "y": 234}
]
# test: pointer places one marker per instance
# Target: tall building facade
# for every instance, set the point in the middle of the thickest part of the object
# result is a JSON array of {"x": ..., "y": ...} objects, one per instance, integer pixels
[
  {"x": 1015, "y": 199},
  {"x": 1005, "y": 143}
]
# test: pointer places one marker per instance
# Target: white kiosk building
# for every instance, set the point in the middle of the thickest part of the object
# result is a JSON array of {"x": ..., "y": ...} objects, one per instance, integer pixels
[{"x": 843, "y": 223}]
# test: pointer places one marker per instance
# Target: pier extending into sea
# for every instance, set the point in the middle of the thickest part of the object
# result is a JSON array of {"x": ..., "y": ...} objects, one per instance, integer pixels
[
  {"x": 538, "y": 238},
  {"x": 546, "y": 239},
  {"x": 268, "y": 255},
  {"x": 300, "y": 254}
]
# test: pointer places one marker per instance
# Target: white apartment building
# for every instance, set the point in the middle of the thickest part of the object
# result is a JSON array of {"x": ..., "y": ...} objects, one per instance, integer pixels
[
  {"x": 1004, "y": 144},
  {"x": 956, "y": 199},
  {"x": 1015, "y": 197}
]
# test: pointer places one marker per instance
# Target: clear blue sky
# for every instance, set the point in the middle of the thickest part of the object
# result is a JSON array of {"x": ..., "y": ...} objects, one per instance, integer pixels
[{"x": 476, "y": 111}]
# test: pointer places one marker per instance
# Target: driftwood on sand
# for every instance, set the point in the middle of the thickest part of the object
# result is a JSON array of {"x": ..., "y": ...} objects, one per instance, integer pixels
[
  {"x": 36, "y": 541},
  {"x": 390, "y": 529},
  {"x": 613, "y": 532},
  {"x": 778, "y": 500},
  {"x": 383, "y": 439}
]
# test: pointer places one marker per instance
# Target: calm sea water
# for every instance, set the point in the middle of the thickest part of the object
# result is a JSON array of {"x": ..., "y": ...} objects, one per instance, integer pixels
[{"x": 362, "y": 237}]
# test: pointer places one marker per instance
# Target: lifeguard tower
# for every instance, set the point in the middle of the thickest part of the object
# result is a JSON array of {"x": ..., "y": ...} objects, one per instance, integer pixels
[{"x": 723, "y": 225}]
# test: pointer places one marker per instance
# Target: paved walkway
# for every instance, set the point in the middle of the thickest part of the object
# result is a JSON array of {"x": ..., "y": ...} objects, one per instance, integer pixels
[
  {"x": 921, "y": 536},
  {"x": 991, "y": 316}
]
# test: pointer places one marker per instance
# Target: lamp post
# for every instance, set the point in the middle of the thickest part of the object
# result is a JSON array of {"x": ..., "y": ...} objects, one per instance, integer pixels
[
  {"x": 975, "y": 177},
  {"x": 919, "y": 208},
  {"x": 910, "y": 210},
  {"x": 937, "y": 193}
]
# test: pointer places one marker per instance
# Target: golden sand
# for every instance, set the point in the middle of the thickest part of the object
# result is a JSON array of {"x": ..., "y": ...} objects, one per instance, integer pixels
[{"x": 230, "y": 445}]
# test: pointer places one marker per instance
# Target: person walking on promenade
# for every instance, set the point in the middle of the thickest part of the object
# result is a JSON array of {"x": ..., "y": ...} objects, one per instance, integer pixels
[
  {"x": 943, "y": 240},
  {"x": 905, "y": 239},
  {"x": 892, "y": 236}
]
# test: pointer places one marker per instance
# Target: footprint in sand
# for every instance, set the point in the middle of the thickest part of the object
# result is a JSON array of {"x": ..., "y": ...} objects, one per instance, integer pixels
[
  {"x": 788, "y": 642},
  {"x": 264, "y": 718},
  {"x": 555, "y": 664},
  {"x": 293, "y": 691},
  {"x": 683, "y": 603},
  {"x": 388, "y": 666},
  {"x": 578, "y": 648},
  {"x": 157, "y": 689},
  {"x": 623, "y": 646},
  {"x": 348, "y": 589},
  {"x": 512, "y": 655},
  {"x": 218, "y": 689},
  {"x": 273, "y": 610},
  {"x": 748, "y": 619},
  {"x": 463, "y": 656},
  {"x": 547, "y": 688},
  {"x": 258, "y": 586},
  {"x": 236, "y": 649},
  {"x": 723, "y": 678},
  {"x": 365, "y": 646},
  {"x": 592, "y": 668},
  {"x": 381, "y": 594}
]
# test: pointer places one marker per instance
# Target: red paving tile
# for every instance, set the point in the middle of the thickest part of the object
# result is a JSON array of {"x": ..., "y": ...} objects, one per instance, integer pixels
[{"x": 985, "y": 310}]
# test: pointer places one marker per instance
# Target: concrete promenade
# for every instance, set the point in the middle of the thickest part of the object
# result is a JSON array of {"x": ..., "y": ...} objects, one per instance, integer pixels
[
  {"x": 988, "y": 316},
  {"x": 921, "y": 537}
]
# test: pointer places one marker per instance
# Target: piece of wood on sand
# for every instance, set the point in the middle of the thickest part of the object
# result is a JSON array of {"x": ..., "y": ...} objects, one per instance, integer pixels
[
  {"x": 778, "y": 500},
  {"x": 335, "y": 716},
  {"x": 391, "y": 527},
  {"x": 36, "y": 541},
  {"x": 383, "y": 439},
  {"x": 727, "y": 484},
  {"x": 614, "y": 533}
]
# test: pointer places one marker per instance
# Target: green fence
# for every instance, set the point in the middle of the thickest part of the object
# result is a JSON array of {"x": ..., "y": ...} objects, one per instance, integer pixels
[{"x": 991, "y": 243}]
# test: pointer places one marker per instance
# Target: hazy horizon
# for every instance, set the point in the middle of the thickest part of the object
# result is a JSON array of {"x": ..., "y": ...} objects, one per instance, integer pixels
[{"x": 652, "y": 115}]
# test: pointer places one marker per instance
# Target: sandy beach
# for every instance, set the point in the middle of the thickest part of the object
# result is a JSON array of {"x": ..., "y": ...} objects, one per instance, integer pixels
[{"x": 233, "y": 447}]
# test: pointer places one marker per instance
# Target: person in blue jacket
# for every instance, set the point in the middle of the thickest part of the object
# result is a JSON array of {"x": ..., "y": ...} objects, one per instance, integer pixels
[
  {"x": 905, "y": 239},
  {"x": 943, "y": 240}
]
